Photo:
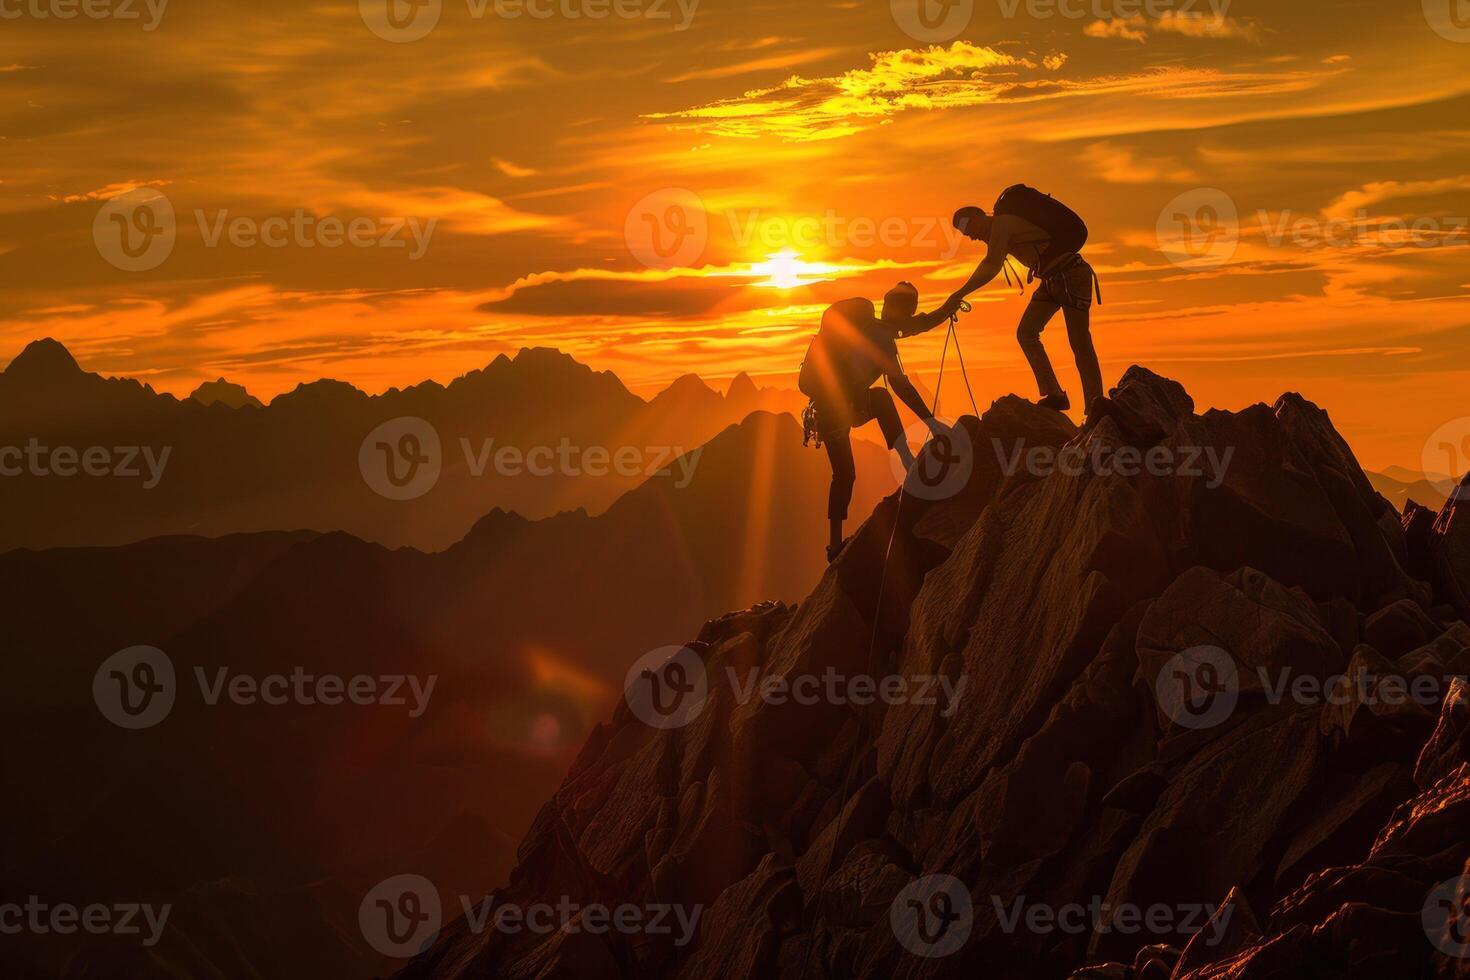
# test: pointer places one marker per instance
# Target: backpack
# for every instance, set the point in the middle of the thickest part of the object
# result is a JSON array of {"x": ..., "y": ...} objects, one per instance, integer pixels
[
  {"x": 1067, "y": 230},
  {"x": 827, "y": 372}
]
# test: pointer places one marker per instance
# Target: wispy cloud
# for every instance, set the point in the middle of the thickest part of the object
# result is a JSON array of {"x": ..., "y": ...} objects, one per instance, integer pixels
[
  {"x": 1122, "y": 165},
  {"x": 1349, "y": 204},
  {"x": 775, "y": 62},
  {"x": 961, "y": 76},
  {"x": 511, "y": 169},
  {"x": 826, "y": 108},
  {"x": 1126, "y": 29},
  {"x": 1137, "y": 28}
]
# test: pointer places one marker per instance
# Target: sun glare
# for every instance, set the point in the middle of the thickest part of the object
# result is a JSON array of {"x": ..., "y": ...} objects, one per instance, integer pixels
[{"x": 788, "y": 270}]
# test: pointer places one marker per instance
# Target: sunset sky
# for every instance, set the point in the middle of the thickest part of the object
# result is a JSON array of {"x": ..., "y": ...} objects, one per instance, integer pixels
[{"x": 792, "y": 153}]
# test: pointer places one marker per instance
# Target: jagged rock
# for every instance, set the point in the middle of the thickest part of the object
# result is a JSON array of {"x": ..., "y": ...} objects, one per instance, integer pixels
[
  {"x": 1147, "y": 405},
  {"x": 1213, "y": 826},
  {"x": 1155, "y": 962},
  {"x": 1345, "y": 826},
  {"x": 1264, "y": 628},
  {"x": 1452, "y": 527},
  {"x": 741, "y": 933},
  {"x": 1449, "y": 746},
  {"x": 1372, "y": 709},
  {"x": 1439, "y": 547},
  {"x": 1398, "y": 628},
  {"x": 1050, "y": 603},
  {"x": 1431, "y": 821},
  {"x": 1232, "y": 928}
]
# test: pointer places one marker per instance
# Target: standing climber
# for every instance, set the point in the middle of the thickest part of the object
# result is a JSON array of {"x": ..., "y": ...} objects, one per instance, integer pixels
[{"x": 1046, "y": 237}]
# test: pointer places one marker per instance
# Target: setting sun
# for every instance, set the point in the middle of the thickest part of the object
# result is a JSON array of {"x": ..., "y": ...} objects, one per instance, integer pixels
[{"x": 787, "y": 270}]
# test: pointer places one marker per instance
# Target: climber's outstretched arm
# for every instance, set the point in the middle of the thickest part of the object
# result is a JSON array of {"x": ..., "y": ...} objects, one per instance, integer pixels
[
  {"x": 994, "y": 261},
  {"x": 924, "y": 322}
]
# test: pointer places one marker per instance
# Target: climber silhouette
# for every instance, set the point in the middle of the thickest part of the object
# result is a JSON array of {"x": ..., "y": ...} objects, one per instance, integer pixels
[
  {"x": 851, "y": 351},
  {"x": 1046, "y": 237}
]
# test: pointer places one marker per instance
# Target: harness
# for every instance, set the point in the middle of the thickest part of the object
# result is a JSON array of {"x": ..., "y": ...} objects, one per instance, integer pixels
[
  {"x": 1056, "y": 279},
  {"x": 811, "y": 432}
]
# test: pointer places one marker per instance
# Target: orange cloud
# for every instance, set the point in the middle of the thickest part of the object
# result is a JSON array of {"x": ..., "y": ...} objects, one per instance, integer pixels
[
  {"x": 1137, "y": 27},
  {"x": 826, "y": 108},
  {"x": 1121, "y": 165},
  {"x": 1349, "y": 204}
]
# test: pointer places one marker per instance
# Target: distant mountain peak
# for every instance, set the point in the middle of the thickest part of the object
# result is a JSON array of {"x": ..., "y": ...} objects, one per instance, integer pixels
[
  {"x": 542, "y": 367},
  {"x": 545, "y": 355},
  {"x": 323, "y": 393},
  {"x": 546, "y": 361},
  {"x": 225, "y": 393},
  {"x": 741, "y": 388},
  {"x": 44, "y": 359},
  {"x": 689, "y": 390},
  {"x": 689, "y": 383}
]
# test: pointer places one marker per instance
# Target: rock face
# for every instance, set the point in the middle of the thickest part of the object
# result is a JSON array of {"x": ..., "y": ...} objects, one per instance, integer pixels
[{"x": 1191, "y": 719}]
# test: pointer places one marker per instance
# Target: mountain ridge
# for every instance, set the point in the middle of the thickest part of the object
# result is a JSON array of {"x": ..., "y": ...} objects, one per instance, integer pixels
[
  {"x": 311, "y": 457},
  {"x": 797, "y": 830}
]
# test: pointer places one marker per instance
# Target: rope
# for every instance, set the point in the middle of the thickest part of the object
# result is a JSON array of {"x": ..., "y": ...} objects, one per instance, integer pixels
[
  {"x": 964, "y": 373},
  {"x": 878, "y": 611}
]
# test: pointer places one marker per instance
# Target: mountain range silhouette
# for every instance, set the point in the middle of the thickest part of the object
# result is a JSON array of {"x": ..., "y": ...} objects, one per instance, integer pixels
[{"x": 260, "y": 824}]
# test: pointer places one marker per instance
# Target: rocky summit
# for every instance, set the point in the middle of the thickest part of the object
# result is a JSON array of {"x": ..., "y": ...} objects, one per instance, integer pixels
[{"x": 1172, "y": 695}]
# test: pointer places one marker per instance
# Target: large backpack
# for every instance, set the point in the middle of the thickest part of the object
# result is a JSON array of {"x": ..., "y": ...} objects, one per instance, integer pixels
[
  {"x": 1066, "y": 228},
  {"x": 830, "y": 360}
]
